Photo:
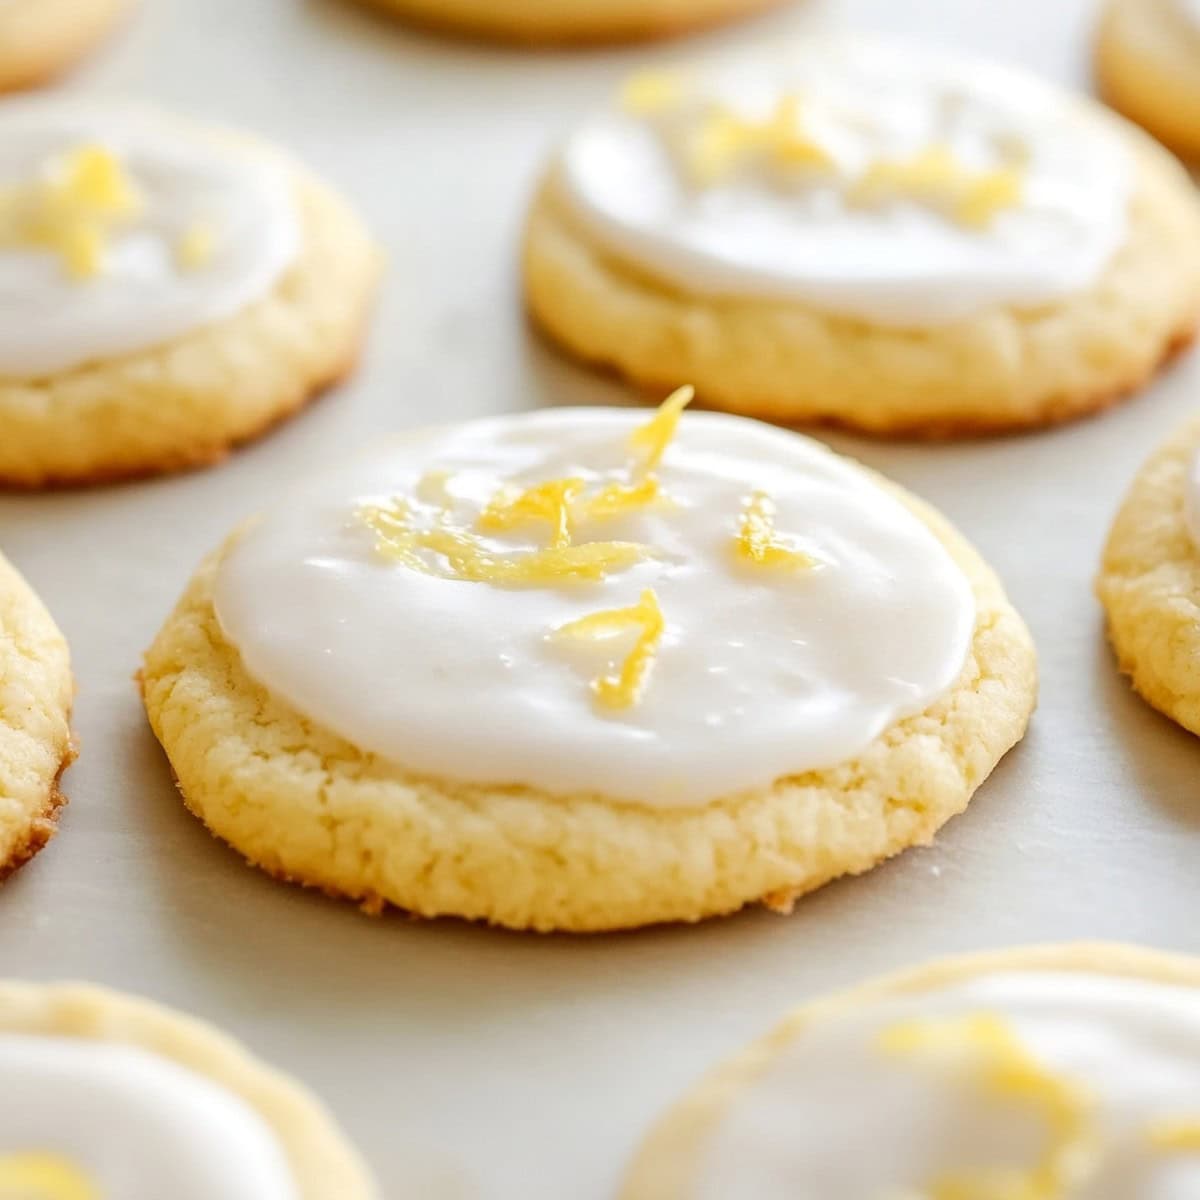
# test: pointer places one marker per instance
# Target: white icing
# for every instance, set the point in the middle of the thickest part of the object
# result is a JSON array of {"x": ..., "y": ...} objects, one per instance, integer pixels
[
  {"x": 762, "y": 673},
  {"x": 834, "y": 1118},
  {"x": 1191, "y": 503},
  {"x": 143, "y": 1127},
  {"x": 902, "y": 263},
  {"x": 143, "y": 298}
]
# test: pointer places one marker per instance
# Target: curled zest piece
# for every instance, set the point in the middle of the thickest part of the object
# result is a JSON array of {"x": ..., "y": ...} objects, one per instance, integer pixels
[
  {"x": 936, "y": 176},
  {"x": 1008, "y": 1071},
  {"x": 195, "y": 246},
  {"x": 39, "y": 1176},
  {"x": 1176, "y": 1135},
  {"x": 468, "y": 558},
  {"x": 724, "y": 138},
  {"x": 72, "y": 210},
  {"x": 550, "y": 502},
  {"x": 650, "y": 441},
  {"x": 651, "y": 92},
  {"x": 624, "y": 688},
  {"x": 758, "y": 543}
]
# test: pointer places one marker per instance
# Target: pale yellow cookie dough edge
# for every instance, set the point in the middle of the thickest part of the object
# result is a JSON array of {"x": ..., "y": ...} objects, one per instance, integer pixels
[
  {"x": 668, "y": 1163},
  {"x": 308, "y": 807},
  {"x": 1149, "y": 584},
  {"x": 324, "y": 1165},
  {"x": 1002, "y": 371},
  {"x": 37, "y": 690},
  {"x": 44, "y": 38}
]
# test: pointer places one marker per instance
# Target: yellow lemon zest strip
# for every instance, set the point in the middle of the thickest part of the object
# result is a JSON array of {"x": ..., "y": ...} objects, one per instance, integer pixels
[
  {"x": 195, "y": 246},
  {"x": 936, "y": 176},
  {"x": 626, "y": 687},
  {"x": 550, "y": 502},
  {"x": 1009, "y": 1071},
  {"x": 757, "y": 541},
  {"x": 651, "y": 92},
  {"x": 650, "y": 441},
  {"x": 39, "y": 1176},
  {"x": 72, "y": 211},
  {"x": 617, "y": 499},
  {"x": 723, "y": 137},
  {"x": 468, "y": 558},
  {"x": 1176, "y": 1134}
]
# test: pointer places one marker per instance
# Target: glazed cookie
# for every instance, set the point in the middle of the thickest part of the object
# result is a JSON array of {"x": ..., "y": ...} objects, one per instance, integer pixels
[
  {"x": 1149, "y": 580},
  {"x": 875, "y": 236},
  {"x": 1148, "y": 65},
  {"x": 560, "y": 671},
  {"x": 108, "y": 1096},
  {"x": 1053, "y": 1072},
  {"x": 167, "y": 292},
  {"x": 40, "y": 38},
  {"x": 571, "y": 21},
  {"x": 36, "y": 690}
]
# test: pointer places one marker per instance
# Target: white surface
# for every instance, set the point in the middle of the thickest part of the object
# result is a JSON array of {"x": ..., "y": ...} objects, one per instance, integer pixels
[{"x": 526, "y": 1068}]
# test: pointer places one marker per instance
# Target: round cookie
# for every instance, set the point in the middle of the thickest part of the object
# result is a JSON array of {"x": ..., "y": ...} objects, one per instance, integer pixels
[
  {"x": 1149, "y": 581},
  {"x": 1148, "y": 67},
  {"x": 109, "y": 1095},
  {"x": 568, "y": 671},
  {"x": 168, "y": 292},
  {"x": 36, "y": 691},
  {"x": 1051, "y": 1071},
  {"x": 566, "y": 22},
  {"x": 40, "y": 38},
  {"x": 872, "y": 236}
]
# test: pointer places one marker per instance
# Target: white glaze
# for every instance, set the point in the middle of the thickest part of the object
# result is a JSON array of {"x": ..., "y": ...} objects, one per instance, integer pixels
[
  {"x": 1191, "y": 497},
  {"x": 902, "y": 263},
  {"x": 834, "y": 1118},
  {"x": 142, "y": 1126},
  {"x": 50, "y": 323},
  {"x": 761, "y": 674}
]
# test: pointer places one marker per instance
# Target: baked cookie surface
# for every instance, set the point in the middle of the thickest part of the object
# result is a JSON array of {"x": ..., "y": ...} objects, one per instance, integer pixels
[
  {"x": 36, "y": 692},
  {"x": 108, "y": 1095},
  {"x": 40, "y": 38},
  {"x": 1148, "y": 67},
  {"x": 571, "y": 21},
  {"x": 531, "y": 685},
  {"x": 865, "y": 235},
  {"x": 1059, "y": 1071},
  {"x": 168, "y": 292},
  {"x": 1149, "y": 581}
]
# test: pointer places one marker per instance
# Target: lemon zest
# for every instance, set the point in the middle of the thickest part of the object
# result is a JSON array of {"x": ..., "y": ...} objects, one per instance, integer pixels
[
  {"x": 72, "y": 210},
  {"x": 650, "y": 92},
  {"x": 550, "y": 502},
  {"x": 625, "y": 687},
  {"x": 1180, "y": 1134},
  {"x": 195, "y": 246},
  {"x": 618, "y": 499},
  {"x": 468, "y": 558},
  {"x": 758, "y": 542},
  {"x": 936, "y": 176},
  {"x": 650, "y": 441},
  {"x": 1009, "y": 1072},
  {"x": 41, "y": 1176}
]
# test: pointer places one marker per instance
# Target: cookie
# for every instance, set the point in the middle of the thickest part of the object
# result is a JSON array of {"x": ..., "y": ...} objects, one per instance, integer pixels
[
  {"x": 167, "y": 292},
  {"x": 1055, "y": 1071},
  {"x": 869, "y": 235},
  {"x": 1148, "y": 67},
  {"x": 41, "y": 38},
  {"x": 36, "y": 691},
  {"x": 582, "y": 670},
  {"x": 1149, "y": 581},
  {"x": 107, "y": 1095},
  {"x": 566, "y": 22}
]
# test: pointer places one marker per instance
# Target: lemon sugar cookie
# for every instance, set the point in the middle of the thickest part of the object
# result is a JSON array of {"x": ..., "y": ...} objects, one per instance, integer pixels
[
  {"x": 1149, "y": 580},
  {"x": 108, "y": 1096},
  {"x": 1148, "y": 65},
  {"x": 1066, "y": 1073},
  {"x": 36, "y": 692},
  {"x": 40, "y": 38},
  {"x": 872, "y": 235},
  {"x": 166, "y": 291},
  {"x": 571, "y": 21},
  {"x": 582, "y": 670}
]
